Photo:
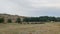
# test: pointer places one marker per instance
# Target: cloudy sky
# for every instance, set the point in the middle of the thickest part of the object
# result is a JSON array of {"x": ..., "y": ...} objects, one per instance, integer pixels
[{"x": 30, "y": 7}]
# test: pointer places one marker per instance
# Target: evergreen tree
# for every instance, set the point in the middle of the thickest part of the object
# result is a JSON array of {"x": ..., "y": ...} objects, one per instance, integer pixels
[
  {"x": 1, "y": 20},
  {"x": 18, "y": 20}
]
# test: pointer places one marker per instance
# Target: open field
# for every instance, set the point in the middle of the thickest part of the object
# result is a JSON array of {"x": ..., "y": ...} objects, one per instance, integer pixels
[{"x": 13, "y": 28}]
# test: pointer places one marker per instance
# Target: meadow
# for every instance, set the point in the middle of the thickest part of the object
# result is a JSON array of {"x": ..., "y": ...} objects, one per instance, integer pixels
[{"x": 15, "y": 28}]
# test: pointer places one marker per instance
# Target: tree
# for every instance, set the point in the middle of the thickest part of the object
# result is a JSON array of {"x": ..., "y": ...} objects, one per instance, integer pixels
[
  {"x": 58, "y": 19},
  {"x": 52, "y": 19},
  {"x": 1, "y": 20},
  {"x": 9, "y": 21},
  {"x": 26, "y": 19},
  {"x": 43, "y": 19},
  {"x": 18, "y": 20}
]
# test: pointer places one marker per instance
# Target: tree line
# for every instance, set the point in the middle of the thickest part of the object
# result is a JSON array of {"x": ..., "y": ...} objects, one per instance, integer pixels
[
  {"x": 42, "y": 19},
  {"x": 34, "y": 19}
]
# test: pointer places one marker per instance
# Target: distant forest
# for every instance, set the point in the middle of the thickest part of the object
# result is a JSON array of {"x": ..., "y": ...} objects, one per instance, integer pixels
[{"x": 42, "y": 19}]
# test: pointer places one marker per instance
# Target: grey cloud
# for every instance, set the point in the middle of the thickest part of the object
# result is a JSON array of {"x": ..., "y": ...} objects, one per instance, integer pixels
[{"x": 30, "y": 7}]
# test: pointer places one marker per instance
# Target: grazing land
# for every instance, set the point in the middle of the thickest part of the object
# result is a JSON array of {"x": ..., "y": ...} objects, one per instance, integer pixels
[{"x": 14, "y": 28}]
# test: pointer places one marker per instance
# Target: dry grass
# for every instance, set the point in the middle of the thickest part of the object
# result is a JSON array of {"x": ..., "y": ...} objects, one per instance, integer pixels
[{"x": 48, "y": 28}]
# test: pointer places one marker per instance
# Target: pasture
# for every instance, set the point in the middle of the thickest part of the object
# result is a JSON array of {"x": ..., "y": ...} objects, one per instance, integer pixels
[{"x": 14, "y": 28}]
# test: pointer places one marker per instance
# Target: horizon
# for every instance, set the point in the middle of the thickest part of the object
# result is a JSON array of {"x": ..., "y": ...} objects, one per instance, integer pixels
[{"x": 28, "y": 16}]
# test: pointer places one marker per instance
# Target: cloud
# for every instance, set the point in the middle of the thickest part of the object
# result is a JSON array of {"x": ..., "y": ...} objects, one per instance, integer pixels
[{"x": 30, "y": 7}]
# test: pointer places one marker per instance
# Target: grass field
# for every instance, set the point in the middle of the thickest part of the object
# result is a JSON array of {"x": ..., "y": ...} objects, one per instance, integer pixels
[{"x": 13, "y": 28}]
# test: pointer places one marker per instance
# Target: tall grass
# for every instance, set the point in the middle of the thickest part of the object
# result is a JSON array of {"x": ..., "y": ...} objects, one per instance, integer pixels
[{"x": 15, "y": 28}]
